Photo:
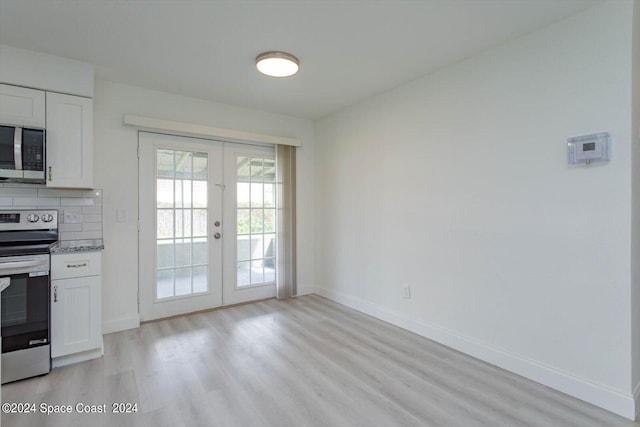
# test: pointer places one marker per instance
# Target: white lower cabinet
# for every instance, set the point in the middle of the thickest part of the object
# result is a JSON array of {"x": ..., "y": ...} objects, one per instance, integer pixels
[{"x": 76, "y": 307}]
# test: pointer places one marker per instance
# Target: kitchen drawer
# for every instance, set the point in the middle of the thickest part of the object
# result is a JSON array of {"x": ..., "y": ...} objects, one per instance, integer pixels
[{"x": 81, "y": 264}]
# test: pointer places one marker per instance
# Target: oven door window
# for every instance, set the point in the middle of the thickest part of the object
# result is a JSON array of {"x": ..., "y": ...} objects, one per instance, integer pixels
[
  {"x": 14, "y": 302},
  {"x": 25, "y": 305}
]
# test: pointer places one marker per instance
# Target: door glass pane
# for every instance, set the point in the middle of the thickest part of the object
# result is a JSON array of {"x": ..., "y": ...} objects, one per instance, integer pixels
[
  {"x": 269, "y": 220},
  {"x": 200, "y": 279},
  {"x": 182, "y": 245},
  {"x": 244, "y": 277},
  {"x": 164, "y": 164},
  {"x": 256, "y": 194},
  {"x": 183, "y": 252},
  {"x": 269, "y": 245},
  {"x": 199, "y": 194},
  {"x": 243, "y": 221},
  {"x": 269, "y": 195},
  {"x": 255, "y": 224},
  {"x": 243, "y": 195},
  {"x": 243, "y": 169},
  {"x": 269, "y": 170},
  {"x": 200, "y": 166},
  {"x": 164, "y": 193},
  {"x": 183, "y": 281},
  {"x": 164, "y": 255},
  {"x": 183, "y": 166},
  {"x": 200, "y": 254},
  {"x": 164, "y": 284},
  {"x": 165, "y": 223},
  {"x": 270, "y": 270},
  {"x": 244, "y": 248},
  {"x": 256, "y": 170},
  {"x": 256, "y": 221},
  {"x": 199, "y": 222},
  {"x": 257, "y": 274}
]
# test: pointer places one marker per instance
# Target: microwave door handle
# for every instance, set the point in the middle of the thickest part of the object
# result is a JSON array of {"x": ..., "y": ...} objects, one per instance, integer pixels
[{"x": 17, "y": 148}]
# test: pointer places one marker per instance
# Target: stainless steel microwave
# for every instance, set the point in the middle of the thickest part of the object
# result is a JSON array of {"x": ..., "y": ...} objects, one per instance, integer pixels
[{"x": 22, "y": 154}]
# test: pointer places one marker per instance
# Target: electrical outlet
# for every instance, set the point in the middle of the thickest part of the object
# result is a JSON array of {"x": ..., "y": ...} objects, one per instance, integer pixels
[
  {"x": 406, "y": 292},
  {"x": 71, "y": 217}
]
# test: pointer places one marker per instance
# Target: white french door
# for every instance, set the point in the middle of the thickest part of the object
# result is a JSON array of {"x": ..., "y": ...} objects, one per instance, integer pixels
[
  {"x": 250, "y": 220},
  {"x": 207, "y": 224}
]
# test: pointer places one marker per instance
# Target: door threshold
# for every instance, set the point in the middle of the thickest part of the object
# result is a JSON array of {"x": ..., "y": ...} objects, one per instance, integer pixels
[{"x": 206, "y": 310}]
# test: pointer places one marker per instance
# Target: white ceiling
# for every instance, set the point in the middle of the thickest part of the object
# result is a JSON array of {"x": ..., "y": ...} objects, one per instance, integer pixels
[{"x": 349, "y": 50}]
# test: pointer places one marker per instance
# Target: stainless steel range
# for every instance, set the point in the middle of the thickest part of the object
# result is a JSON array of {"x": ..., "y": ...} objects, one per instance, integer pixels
[{"x": 26, "y": 238}]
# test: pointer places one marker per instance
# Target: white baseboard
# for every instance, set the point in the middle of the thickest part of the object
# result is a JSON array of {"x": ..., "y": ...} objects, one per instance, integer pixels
[
  {"x": 121, "y": 324},
  {"x": 304, "y": 290},
  {"x": 636, "y": 399},
  {"x": 76, "y": 358},
  {"x": 596, "y": 394}
]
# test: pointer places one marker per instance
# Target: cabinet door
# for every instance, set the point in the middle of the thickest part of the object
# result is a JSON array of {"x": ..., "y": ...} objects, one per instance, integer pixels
[
  {"x": 69, "y": 141},
  {"x": 76, "y": 315},
  {"x": 20, "y": 106}
]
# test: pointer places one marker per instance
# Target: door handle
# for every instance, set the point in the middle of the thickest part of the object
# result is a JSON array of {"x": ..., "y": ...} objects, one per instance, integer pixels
[
  {"x": 20, "y": 264},
  {"x": 217, "y": 236},
  {"x": 84, "y": 264},
  {"x": 55, "y": 294},
  {"x": 17, "y": 148}
]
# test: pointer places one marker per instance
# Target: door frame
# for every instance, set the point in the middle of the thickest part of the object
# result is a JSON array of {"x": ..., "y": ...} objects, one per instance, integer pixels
[
  {"x": 151, "y": 308},
  {"x": 222, "y": 252}
]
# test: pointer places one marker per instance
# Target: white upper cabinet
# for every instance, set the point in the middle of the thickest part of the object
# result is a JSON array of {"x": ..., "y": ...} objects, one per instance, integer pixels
[
  {"x": 69, "y": 141},
  {"x": 20, "y": 106}
]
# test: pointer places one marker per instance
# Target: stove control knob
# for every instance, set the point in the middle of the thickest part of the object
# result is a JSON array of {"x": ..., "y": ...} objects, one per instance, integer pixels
[
  {"x": 46, "y": 217},
  {"x": 33, "y": 217}
]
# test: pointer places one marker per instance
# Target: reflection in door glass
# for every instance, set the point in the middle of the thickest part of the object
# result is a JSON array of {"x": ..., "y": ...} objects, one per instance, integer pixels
[
  {"x": 181, "y": 223},
  {"x": 255, "y": 221}
]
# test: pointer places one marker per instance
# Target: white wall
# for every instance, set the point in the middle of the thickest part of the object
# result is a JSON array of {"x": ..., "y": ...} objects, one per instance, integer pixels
[
  {"x": 458, "y": 185},
  {"x": 635, "y": 252},
  {"x": 117, "y": 174}
]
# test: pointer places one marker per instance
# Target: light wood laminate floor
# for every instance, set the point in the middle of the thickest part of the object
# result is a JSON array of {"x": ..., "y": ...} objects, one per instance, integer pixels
[{"x": 301, "y": 362}]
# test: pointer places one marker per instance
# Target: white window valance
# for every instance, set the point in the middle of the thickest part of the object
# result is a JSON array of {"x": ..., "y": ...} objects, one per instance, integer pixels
[{"x": 202, "y": 131}]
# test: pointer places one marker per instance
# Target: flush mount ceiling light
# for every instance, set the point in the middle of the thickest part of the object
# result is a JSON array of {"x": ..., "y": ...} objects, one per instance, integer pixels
[{"x": 277, "y": 64}]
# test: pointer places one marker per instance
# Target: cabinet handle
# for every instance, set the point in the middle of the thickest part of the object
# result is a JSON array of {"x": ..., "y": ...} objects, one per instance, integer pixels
[
  {"x": 49, "y": 173},
  {"x": 55, "y": 294},
  {"x": 84, "y": 264}
]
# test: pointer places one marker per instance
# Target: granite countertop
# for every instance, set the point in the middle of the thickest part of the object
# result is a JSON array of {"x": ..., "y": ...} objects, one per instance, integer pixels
[{"x": 66, "y": 246}]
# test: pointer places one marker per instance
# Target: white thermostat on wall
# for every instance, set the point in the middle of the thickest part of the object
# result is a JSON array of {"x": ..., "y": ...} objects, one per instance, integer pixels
[{"x": 588, "y": 149}]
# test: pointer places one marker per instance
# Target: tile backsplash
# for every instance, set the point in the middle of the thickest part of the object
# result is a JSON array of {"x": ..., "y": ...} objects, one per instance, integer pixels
[{"x": 79, "y": 211}]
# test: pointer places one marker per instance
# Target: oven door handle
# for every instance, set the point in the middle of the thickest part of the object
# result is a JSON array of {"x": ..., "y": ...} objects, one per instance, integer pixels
[{"x": 21, "y": 264}]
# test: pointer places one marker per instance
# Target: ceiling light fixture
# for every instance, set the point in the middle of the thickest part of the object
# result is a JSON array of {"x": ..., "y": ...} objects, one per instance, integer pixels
[{"x": 277, "y": 64}]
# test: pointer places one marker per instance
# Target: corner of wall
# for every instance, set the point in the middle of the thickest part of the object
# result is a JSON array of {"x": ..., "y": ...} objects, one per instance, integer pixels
[
  {"x": 636, "y": 399},
  {"x": 635, "y": 185},
  {"x": 120, "y": 324}
]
